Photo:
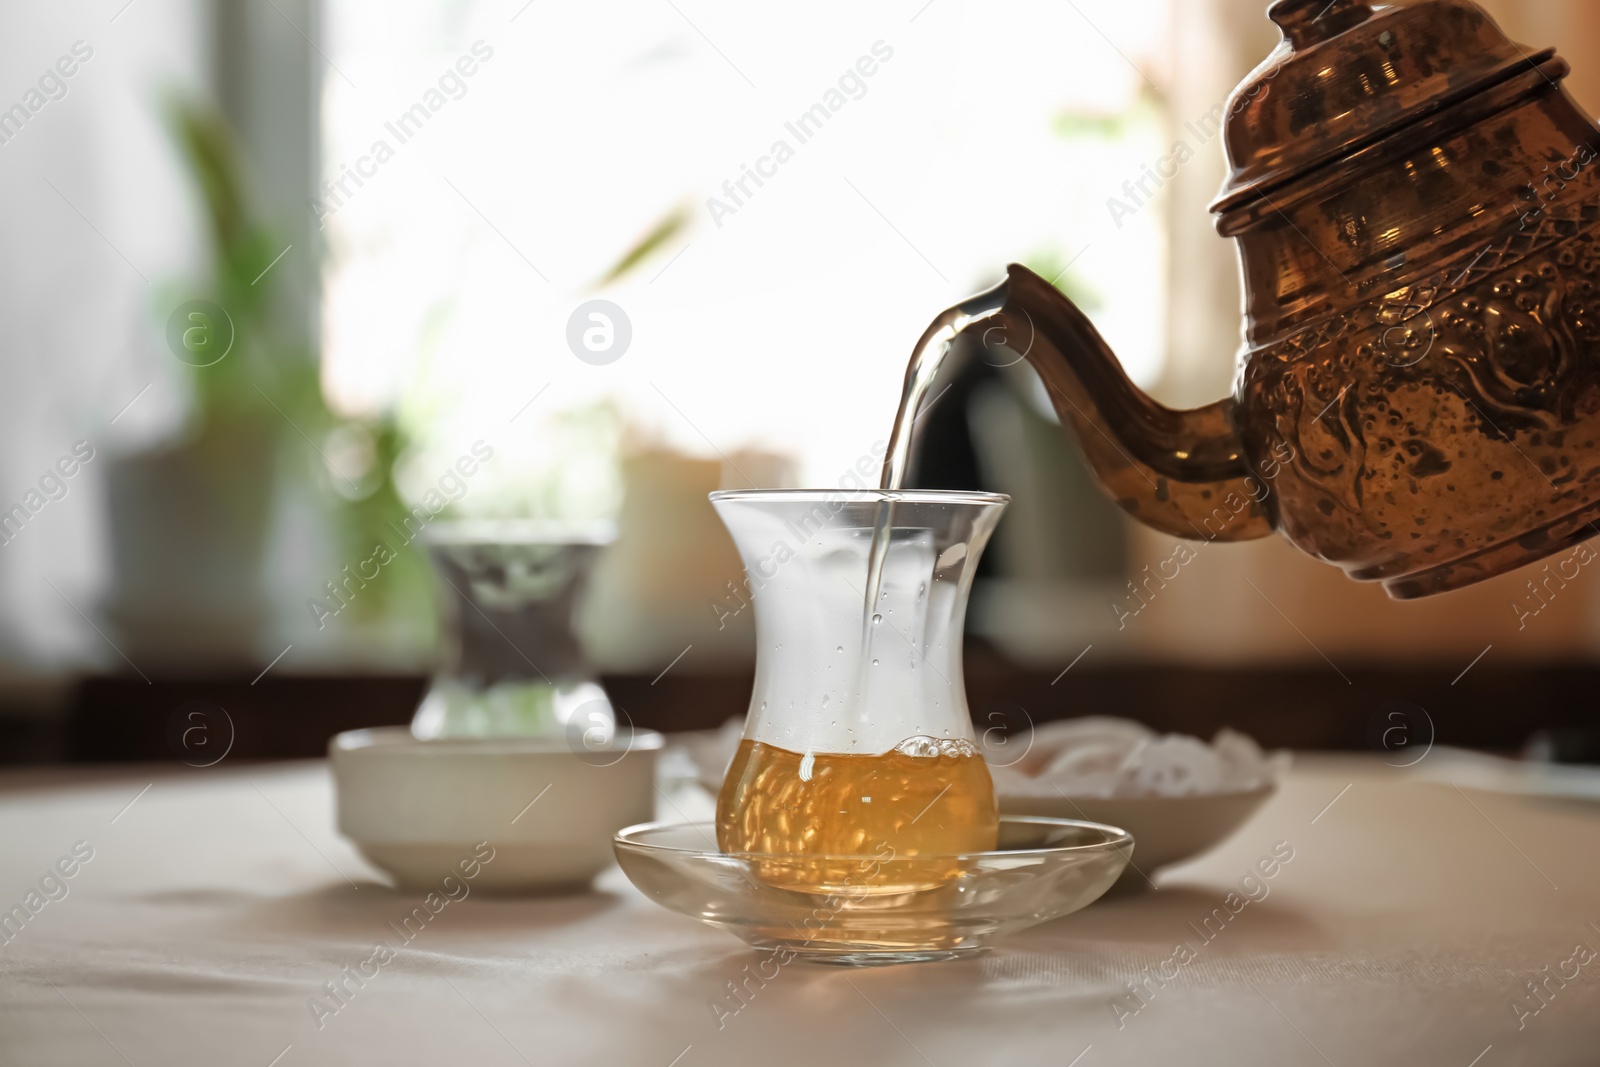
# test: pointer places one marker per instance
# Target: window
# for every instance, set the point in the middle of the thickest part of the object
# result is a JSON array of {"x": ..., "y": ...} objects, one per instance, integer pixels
[{"x": 468, "y": 214}]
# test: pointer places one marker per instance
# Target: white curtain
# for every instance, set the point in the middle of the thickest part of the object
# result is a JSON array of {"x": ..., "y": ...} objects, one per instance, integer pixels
[{"x": 96, "y": 221}]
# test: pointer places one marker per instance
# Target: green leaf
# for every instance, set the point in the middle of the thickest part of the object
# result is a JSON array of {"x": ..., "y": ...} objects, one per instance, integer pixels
[{"x": 669, "y": 226}]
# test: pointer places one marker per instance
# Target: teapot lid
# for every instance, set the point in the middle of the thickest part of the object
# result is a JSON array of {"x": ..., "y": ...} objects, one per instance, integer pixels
[{"x": 1348, "y": 73}]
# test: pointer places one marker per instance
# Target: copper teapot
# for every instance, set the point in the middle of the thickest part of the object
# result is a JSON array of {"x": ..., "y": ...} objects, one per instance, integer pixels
[{"x": 1415, "y": 200}]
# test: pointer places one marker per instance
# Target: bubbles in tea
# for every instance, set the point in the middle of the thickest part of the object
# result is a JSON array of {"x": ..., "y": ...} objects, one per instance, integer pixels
[{"x": 923, "y": 797}]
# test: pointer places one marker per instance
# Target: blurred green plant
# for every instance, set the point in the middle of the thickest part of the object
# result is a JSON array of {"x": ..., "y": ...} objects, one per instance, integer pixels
[
  {"x": 264, "y": 374},
  {"x": 260, "y": 407}
]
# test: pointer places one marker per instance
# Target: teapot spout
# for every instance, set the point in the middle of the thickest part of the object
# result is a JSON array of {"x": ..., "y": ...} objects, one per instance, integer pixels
[{"x": 1185, "y": 473}]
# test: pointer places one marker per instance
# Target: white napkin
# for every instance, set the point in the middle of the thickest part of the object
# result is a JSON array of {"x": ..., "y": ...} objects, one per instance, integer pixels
[{"x": 1100, "y": 756}]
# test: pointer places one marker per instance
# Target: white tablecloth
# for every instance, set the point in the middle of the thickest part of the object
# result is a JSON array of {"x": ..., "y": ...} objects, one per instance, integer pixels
[{"x": 1403, "y": 931}]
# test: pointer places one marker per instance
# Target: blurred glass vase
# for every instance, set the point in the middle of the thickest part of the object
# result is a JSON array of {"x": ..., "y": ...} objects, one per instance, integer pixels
[{"x": 513, "y": 665}]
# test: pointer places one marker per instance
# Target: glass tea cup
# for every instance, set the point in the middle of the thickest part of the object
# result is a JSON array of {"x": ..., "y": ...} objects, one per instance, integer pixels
[
  {"x": 513, "y": 665},
  {"x": 858, "y": 739}
]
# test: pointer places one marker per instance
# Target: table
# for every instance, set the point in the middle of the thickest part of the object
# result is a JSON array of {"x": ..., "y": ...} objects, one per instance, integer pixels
[{"x": 218, "y": 902}]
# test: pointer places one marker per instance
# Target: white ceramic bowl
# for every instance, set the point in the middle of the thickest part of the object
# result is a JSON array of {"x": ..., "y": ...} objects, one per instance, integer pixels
[
  {"x": 1166, "y": 830},
  {"x": 418, "y": 808}
]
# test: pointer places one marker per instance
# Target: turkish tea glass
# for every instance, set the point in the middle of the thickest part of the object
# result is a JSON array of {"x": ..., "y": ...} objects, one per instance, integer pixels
[
  {"x": 858, "y": 740},
  {"x": 513, "y": 665}
]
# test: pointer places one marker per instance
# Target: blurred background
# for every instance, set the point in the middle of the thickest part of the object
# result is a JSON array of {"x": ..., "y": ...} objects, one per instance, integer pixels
[{"x": 278, "y": 272}]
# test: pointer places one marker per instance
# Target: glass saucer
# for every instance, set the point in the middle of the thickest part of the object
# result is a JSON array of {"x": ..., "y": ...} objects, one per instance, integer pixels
[{"x": 894, "y": 910}]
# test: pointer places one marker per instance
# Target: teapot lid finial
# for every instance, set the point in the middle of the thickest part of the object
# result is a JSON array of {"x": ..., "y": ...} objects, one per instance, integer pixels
[
  {"x": 1306, "y": 22},
  {"x": 1347, "y": 75}
]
